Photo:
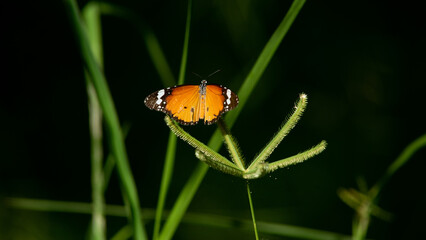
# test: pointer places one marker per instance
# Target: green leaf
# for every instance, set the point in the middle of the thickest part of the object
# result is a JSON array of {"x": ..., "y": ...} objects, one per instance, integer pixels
[
  {"x": 98, "y": 224},
  {"x": 111, "y": 120}
]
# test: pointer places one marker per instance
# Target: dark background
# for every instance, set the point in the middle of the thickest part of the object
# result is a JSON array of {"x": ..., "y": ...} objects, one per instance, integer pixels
[{"x": 362, "y": 64}]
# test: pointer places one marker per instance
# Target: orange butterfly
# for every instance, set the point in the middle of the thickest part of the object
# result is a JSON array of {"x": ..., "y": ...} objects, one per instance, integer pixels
[{"x": 187, "y": 104}]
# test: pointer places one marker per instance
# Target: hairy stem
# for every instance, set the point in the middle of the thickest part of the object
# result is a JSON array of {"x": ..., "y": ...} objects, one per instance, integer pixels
[{"x": 285, "y": 129}]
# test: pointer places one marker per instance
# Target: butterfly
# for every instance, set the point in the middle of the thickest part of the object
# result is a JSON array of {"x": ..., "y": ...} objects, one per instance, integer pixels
[{"x": 187, "y": 104}]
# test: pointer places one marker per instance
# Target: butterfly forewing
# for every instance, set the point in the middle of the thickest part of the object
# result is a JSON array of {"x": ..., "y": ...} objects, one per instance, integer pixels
[
  {"x": 182, "y": 104},
  {"x": 157, "y": 100}
]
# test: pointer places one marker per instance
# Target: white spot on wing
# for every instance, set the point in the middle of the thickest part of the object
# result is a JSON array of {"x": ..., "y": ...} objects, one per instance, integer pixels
[
  {"x": 160, "y": 94},
  {"x": 228, "y": 93},
  {"x": 158, "y": 101}
]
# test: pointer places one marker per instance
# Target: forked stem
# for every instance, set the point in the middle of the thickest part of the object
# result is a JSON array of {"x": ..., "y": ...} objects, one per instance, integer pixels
[{"x": 259, "y": 167}]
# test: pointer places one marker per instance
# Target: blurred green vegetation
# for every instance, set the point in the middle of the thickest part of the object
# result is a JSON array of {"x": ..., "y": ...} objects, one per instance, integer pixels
[{"x": 362, "y": 64}]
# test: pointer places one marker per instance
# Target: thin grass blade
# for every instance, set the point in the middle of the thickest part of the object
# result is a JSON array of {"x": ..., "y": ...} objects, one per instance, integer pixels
[
  {"x": 111, "y": 119},
  {"x": 171, "y": 149},
  {"x": 263, "y": 60},
  {"x": 405, "y": 155},
  {"x": 185, "y": 44},
  {"x": 151, "y": 42},
  {"x": 203, "y": 219},
  {"x": 252, "y": 211},
  {"x": 98, "y": 224},
  {"x": 165, "y": 182}
]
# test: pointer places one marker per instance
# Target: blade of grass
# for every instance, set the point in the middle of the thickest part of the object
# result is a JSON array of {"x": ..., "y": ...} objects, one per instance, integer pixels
[
  {"x": 158, "y": 58},
  {"x": 191, "y": 186},
  {"x": 152, "y": 44},
  {"x": 111, "y": 120},
  {"x": 252, "y": 212},
  {"x": 124, "y": 233},
  {"x": 366, "y": 206},
  {"x": 171, "y": 147},
  {"x": 185, "y": 44},
  {"x": 405, "y": 155},
  {"x": 203, "y": 219},
  {"x": 110, "y": 160},
  {"x": 98, "y": 225},
  {"x": 165, "y": 182},
  {"x": 163, "y": 69},
  {"x": 263, "y": 60}
]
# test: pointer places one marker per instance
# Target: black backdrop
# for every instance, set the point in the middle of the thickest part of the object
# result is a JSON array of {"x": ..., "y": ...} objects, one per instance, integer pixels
[{"x": 362, "y": 64}]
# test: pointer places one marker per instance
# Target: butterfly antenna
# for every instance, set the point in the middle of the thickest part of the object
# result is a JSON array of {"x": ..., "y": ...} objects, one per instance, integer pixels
[
  {"x": 198, "y": 75},
  {"x": 213, "y": 73}
]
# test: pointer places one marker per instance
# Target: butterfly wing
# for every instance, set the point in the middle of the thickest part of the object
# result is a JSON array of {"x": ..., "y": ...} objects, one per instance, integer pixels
[
  {"x": 219, "y": 100},
  {"x": 182, "y": 103}
]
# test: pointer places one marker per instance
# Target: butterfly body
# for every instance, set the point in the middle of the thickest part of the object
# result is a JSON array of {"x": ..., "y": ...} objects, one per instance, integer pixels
[{"x": 187, "y": 104}]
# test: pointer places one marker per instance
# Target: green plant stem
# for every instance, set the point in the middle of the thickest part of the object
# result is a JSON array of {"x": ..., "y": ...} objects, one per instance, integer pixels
[
  {"x": 95, "y": 118},
  {"x": 365, "y": 209},
  {"x": 110, "y": 160},
  {"x": 208, "y": 152},
  {"x": 111, "y": 120},
  {"x": 152, "y": 44},
  {"x": 165, "y": 182},
  {"x": 232, "y": 145},
  {"x": 185, "y": 44},
  {"x": 158, "y": 58},
  {"x": 405, "y": 155},
  {"x": 188, "y": 190},
  {"x": 285, "y": 129},
  {"x": 125, "y": 232},
  {"x": 203, "y": 219},
  {"x": 171, "y": 150},
  {"x": 252, "y": 211},
  {"x": 298, "y": 158},
  {"x": 98, "y": 225},
  {"x": 360, "y": 225},
  {"x": 264, "y": 58}
]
